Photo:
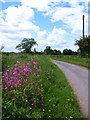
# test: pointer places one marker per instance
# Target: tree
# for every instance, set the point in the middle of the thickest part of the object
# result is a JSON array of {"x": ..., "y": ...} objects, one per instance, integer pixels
[
  {"x": 65, "y": 52},
  {"x": 56, "y": 52},
  {"x": 84, "y": 46},
  {"x": 35, "y": 50},
  {"x": 48, "y": 50},
  {"x": 26, "y": 44},
  {"x": 59, "y": 52},
  {"x": 68, "y": 52}
]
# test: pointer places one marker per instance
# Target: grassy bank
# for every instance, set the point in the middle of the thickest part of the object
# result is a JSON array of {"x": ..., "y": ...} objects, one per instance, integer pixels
[
  {"x": 59, "y": 100},
  {"x": 85, "y": 62}
]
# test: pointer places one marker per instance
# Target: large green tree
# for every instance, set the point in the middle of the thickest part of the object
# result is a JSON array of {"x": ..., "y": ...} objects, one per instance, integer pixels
[
  {"x": 26, "y": 44},
  {"x": 48, "y": 50},
  {"x": 84, "y": 46},
  {"x": 56, "y": 52},
  {"x": 68, "y": 52}
]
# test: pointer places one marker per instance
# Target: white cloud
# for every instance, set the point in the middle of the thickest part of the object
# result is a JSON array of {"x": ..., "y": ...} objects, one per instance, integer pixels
[
  {"x": 62, "y": 13},
  {"x": 46, "y": 5},
  {"x": 54, "y": 38},
  {"x": 17, "y": 22},
  {"x": 70, "y": 45},
  {"x": 42, "y": 34},
  {"x": 3, "y": 1},
  {"x": 8, "y": 43},
  {"x": 27, "y": 25},
  {"x": 41, "y": 5},
  {"x": 69, "y": 15},
  {"x": 15, "y": 15},
  {"x": 56, "y": 35},
  {"x": 72, "y": 17},
  {"x": 25, "y": 35}
]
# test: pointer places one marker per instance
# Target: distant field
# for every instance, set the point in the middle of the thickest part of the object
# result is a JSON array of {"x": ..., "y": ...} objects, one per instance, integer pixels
[
  {"x": 59, "y": 99},
  {"x": 85, "y": 62}
]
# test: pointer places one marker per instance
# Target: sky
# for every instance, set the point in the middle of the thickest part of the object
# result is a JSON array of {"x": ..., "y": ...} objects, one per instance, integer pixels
[{"x": 55, "y": 23}]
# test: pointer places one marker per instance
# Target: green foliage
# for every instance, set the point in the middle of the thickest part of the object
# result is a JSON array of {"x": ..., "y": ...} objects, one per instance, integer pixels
[
  {"x": 84, "y": 46},
  {"x": 74, "y": 59},
  {"x": 59, "y": 99},
  {"x": 56, "y": 52},
  {"x": 22, "y": 88},
  {"x": 26, "y": 45},
  {"x": 49, "y": 51},
  {"x": 68, "y": 52}
]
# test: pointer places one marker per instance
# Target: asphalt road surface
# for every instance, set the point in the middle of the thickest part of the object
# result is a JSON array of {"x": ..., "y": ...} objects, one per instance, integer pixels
[{"x": 78, "y": 79}]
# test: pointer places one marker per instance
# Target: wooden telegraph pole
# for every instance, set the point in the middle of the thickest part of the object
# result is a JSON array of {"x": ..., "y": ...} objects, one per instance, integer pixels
[{"x": 83, "y": 26}]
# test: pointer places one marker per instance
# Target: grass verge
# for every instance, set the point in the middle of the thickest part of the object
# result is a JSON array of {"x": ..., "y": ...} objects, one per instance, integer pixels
[
  {"x": 59, "y": 98},
  {"x": 85, "y": 62}
]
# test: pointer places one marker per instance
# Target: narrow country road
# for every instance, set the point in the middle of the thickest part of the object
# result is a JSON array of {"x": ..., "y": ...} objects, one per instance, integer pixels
[{"x": 78, "y": 79}]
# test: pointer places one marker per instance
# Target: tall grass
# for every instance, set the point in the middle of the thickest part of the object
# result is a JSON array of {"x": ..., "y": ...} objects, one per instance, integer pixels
[{"x": 59, "y": 100}]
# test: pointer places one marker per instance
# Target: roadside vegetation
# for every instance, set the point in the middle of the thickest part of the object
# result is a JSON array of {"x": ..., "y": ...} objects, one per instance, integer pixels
[
  {"x": 80, "y": 57},
  {"x": 33, "y": 87},
  {"x": 85, "y": 62}
]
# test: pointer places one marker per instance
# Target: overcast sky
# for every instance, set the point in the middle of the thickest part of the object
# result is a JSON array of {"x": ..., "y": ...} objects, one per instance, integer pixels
[{"x": 55, "y": 23}]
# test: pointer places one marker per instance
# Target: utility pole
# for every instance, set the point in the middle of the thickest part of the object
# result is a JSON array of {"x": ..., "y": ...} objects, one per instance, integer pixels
[{"x": 83, "y": 26}]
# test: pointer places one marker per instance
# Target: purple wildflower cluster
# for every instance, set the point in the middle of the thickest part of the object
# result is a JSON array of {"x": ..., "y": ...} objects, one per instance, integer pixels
[
  {"x": 19, "y": 75},
  {"x": 23, "y": 84}
]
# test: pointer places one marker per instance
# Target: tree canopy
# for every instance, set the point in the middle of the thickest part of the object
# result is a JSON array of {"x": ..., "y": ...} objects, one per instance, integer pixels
[
  {"x": 68, "y": 52},
  {"x": 84, "y": 46},
  {"x": 48, "y": 50},
  {"x": 26, "y": 44}
]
